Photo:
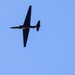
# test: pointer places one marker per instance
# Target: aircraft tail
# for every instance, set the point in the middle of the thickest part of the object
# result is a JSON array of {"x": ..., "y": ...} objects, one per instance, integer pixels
[{"x": 38, "y": 25}]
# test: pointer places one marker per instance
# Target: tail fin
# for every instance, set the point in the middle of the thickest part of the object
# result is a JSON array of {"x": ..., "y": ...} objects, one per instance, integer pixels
[{"x": 38, "y": 25}]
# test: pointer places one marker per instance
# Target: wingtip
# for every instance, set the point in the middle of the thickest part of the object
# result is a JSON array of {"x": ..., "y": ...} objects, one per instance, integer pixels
[
  {"x": 30, "y": 6},
  {"x": 24, "y": 45}
]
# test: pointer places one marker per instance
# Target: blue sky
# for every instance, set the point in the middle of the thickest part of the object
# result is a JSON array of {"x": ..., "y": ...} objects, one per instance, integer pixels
[{"x": 51, "y": 51}]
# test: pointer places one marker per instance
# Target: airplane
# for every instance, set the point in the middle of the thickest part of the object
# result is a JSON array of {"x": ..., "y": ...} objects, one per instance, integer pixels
[{"x": 26, "y": 26}]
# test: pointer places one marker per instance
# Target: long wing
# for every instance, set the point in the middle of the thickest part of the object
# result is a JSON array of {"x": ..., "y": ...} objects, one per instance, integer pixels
[
  {"x": 28, "y": 18},
  {"x": 26, "y": 24},
  {"x": 25, "y": 36}
]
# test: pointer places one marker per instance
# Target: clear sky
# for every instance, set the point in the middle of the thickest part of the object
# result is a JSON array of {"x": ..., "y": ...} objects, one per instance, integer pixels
[{"x": 51, "y": 51}]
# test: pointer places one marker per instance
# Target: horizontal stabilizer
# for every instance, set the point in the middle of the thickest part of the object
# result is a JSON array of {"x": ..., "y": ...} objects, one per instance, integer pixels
[{"x": 38, "y": 25}]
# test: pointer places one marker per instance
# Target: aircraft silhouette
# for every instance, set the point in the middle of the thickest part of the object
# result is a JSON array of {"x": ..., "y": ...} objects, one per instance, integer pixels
[{"x": 26, "y": 26}]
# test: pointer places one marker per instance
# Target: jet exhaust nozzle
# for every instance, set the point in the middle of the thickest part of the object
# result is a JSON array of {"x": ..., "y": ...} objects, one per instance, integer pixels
[{"x": 38, "y": 25}]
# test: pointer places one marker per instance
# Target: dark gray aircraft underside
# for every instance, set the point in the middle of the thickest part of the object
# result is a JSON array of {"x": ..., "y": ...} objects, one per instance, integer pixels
[{"x": 26, "y": 26}]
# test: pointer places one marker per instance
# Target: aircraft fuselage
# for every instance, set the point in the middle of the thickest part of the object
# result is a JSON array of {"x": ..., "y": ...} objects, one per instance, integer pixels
[{"x": 23, "y": 27}]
